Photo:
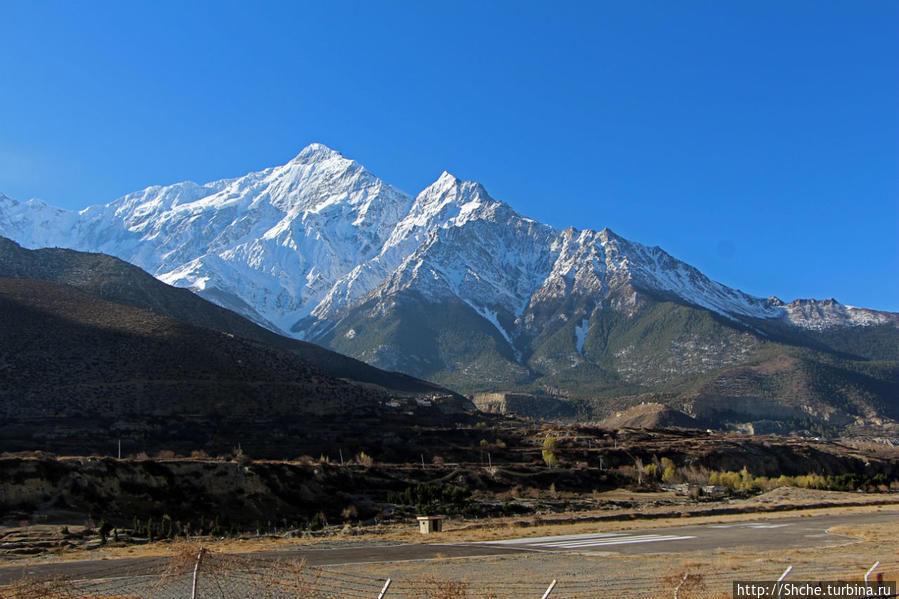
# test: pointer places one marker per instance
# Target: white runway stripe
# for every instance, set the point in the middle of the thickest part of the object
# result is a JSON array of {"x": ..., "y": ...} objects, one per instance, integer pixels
[
  {"x": 624, "y": 540},
  {"x": 597, "y": 540},
  {"x": 582, "y": 541},
  {"x": 537, "y": 540},
  {"x": 749, "y": 525}
]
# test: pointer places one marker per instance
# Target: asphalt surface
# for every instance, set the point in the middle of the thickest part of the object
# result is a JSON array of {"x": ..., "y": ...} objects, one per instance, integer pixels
[
  {"x": 762, "y": 535},
  {"x": 780, "y": 533}
]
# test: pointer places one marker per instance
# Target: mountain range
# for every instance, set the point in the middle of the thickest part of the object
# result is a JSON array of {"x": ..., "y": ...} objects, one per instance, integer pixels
[{"x": 457, "y": 288}]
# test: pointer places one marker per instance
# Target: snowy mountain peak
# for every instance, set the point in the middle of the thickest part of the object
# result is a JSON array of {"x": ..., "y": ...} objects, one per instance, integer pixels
[
  {"x": 446, "y": 178},
  {"x": 316, "y": 152},
  {"x": 449, "y": 189},
  {"x": 446, "y": 183}
]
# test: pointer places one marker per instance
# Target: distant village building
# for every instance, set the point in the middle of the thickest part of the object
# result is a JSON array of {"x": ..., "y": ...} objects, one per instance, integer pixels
[{"x": 523, "y": 404}]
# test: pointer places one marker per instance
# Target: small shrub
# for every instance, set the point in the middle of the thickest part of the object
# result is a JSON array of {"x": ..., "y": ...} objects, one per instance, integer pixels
[
  {"x": 241, "y": 456},
  {"x": 364, "y": 459},
  {"x": 430, "y": 588},
  {"x": 669, "y": 475},
  {"x": 695, "y": 475},
  {"x": 351, "y": 512},
  {"x": 318, "y": 522},
  {"x": 103, "y": 531},
  {"x": 550, "y": 459}
]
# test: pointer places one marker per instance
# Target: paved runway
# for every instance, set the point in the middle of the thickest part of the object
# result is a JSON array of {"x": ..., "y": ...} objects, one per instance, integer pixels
[
  {"x": 780, "y": 533},
  {"x": 588, "y": 540},
  {"x": 761, "y": 535}
]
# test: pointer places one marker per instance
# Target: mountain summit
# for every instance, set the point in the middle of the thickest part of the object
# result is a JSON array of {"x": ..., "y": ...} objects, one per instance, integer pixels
[
  {"x": 450, "y": 285},
  {"x": 316, "y": 152}
]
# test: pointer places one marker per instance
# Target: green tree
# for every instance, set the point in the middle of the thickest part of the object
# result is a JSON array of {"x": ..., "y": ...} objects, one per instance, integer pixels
[
  {"x": 103, "y": 531},
  {"x": 549, "y": 452}
]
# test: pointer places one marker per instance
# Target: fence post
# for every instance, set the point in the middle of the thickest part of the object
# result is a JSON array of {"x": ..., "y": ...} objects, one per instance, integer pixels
[
  {"x": 779, "y": 580},
  {"x": 193, "y": 587},
  {"x": 384, "y": 590},
  {"x": 868, "y": 573},
  {"x": 552, "y": 585}
]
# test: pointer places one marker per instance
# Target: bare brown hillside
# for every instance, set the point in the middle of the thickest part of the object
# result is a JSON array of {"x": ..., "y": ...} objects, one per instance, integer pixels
[
  {"x": 123, "y": 283},
  {"x": 78, "y": 373}
]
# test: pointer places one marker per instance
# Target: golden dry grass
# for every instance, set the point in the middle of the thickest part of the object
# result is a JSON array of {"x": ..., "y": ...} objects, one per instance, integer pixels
[
  {"x": 430, "y": 588},
  {"x": 52, "y": 589}
]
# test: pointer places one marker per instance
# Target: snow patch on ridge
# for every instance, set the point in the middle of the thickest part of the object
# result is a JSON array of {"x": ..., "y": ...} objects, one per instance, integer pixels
[
  {"x": 491, "y": 317},
  {"x": 580, "y": 335}
]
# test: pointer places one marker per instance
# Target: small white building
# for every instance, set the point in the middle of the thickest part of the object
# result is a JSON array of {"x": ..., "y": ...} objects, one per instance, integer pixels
[{"x": 429, "y": 524}]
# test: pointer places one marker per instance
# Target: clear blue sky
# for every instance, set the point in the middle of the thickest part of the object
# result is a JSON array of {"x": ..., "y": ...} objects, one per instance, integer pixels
[{"x": 758, "y": 141}]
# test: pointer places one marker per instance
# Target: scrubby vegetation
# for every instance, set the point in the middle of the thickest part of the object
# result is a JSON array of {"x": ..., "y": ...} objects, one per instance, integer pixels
[
  {"x": 490, "y": 468},
  {"x": 432, "y": 499},
  {"x": 744, "y": 482}
]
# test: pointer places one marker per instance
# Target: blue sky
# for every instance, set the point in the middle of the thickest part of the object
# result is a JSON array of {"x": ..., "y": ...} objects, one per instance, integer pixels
[{"x": 758, "y": 141}]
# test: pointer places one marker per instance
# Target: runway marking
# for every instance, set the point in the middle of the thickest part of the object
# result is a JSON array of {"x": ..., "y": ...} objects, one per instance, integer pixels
[
  {"x": 749, "y": 525},
  {"x": 538, "y": 540},
  {"x": 622, "y": 540},
  {"x": 584, "y": 541}
]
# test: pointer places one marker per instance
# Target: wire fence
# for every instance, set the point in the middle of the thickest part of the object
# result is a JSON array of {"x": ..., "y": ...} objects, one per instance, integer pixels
[{"x": 194, "y": 573}]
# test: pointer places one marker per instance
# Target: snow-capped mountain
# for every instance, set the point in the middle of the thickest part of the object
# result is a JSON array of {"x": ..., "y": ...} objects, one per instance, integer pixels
[
  {"x": 450, "y": 284},
  {"x": 309, "y": 239}
]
